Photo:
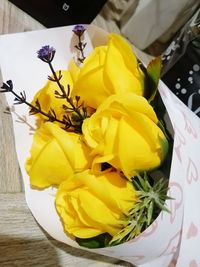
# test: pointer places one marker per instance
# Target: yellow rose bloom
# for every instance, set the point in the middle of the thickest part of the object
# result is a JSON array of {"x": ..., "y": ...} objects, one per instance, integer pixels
[
  {"x": 108, "y": 70},
  {"x": 124, "y": 133},
  {"x": 55, "y": 155},
  {"x": 90, "y": 205},
  {"x": 47, "y": 98}
]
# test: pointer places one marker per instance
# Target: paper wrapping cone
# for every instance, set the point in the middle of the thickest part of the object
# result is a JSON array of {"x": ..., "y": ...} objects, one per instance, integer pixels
[{"x": 171, "y": 236}]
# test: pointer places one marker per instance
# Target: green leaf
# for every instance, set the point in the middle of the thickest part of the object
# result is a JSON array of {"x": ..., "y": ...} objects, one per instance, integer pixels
[
  {"x": 153, "y": 75},
  {"x": 99, "y": 241},
  {"x": 88, "y": 243}
]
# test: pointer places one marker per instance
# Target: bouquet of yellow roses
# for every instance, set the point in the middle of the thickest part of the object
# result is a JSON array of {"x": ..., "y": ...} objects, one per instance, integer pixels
[{"x": 99, "y": 162}]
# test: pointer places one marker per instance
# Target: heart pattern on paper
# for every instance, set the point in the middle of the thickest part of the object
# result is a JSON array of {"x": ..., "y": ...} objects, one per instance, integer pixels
[
  {"x": 175, "y": 190},
  {"x": 173, "y": 244},
  {"x": 192, "y": 172},
  {"x": 193, "y": 263},
  {"x": 180, "y": 141},
  {"x": 189, "y": 127},
  {"x": 192, "y": 231},
  {"x": 173, "y": 263}
]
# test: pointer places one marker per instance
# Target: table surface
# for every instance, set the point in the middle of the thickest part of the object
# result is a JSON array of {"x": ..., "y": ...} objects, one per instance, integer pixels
[{"x": 22, "y": 241}]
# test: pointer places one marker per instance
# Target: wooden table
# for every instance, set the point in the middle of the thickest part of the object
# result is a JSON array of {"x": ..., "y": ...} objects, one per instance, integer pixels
[{"x": 22, "y": 241}]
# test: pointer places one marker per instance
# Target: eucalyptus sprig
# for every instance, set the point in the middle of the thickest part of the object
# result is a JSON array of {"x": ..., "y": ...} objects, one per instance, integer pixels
[{"x": 151, "y": 200}]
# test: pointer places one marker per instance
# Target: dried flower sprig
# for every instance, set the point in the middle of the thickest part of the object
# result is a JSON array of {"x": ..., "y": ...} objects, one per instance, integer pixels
[
  {"x": 151, "y": 201},
  {"x": 72, "y": 123},
  {"x": 79, "y": 30},
  {"x": 77, "y": 109},
  {"x": 46, "y": 54},
  {"x": 20, "y": 118},
  {"x": 21, "y": 99}
]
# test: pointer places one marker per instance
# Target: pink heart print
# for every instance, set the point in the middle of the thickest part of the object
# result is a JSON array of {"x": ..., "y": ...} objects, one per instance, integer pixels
[
  {"x": 192, "y": 172},
  {"x": 175, "y": 190},
  {"x": 193, "y": 263},
  {"x": 173, "y": 263},
  {"x": 189, "y": 127},
  {"x": 192, "y": 231},
  {"x": 173, "y": 244},
  {"x": 180, "y": 141}
]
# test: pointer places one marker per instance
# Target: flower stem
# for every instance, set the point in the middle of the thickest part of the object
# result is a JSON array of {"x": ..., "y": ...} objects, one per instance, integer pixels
[
  {"x": 64, "y": 94},
  {"x": 81, "y": 47},
  {"x": 57, "y": 80},
  {"x": 37, "y": 110}
]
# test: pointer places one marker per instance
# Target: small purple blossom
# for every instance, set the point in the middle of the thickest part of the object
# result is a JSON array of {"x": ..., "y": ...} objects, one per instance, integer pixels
[
  {"x": 46, "y": 53},
  {"x": 78, "y": 30}
]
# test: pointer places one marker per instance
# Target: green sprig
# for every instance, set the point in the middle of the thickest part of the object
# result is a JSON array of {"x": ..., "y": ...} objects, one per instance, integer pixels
[{"x": 151, "y": 200}]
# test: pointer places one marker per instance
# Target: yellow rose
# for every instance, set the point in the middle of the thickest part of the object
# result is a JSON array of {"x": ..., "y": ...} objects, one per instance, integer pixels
[
  {"x": 124, "y": 133},
  {"x": 108, "y": 70},
  {"x": 91, "y": 205},
  {"x": 47, "y": 98},
  {"x": 55, "y": 155}
]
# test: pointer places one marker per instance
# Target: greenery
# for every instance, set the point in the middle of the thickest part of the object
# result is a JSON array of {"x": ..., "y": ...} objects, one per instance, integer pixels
[
  {"x": 152, "y": 195},
  {"x": 144, "y": 212}
]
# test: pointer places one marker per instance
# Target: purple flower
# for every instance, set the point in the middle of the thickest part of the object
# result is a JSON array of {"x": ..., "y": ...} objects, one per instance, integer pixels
[
  {"x": 78, "y": 30},
  {"x": 46, "y": 53}
]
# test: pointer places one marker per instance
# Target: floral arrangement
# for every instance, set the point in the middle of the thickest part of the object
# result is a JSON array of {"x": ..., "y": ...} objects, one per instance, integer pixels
[{"x": 101, "y": 141}]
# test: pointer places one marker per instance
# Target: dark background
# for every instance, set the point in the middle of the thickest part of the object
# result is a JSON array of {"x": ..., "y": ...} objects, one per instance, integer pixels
[{"x": 53, "y": 13}]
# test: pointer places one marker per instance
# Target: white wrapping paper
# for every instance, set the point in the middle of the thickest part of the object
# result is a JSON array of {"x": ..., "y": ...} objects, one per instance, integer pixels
[{"x": 173, "y": 239}]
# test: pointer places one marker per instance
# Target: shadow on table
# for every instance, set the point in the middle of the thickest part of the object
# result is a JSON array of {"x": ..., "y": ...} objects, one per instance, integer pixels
[
  {"x": 32, "y": 252},
  {"x": 27, "y": 252},
  {"x": 90, "y": 256}
]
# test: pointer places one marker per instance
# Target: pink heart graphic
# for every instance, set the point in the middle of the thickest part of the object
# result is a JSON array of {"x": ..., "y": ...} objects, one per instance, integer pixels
[
  {"x": 193, "y": 263},
  {"x": 173, "y": 244},
  {"x": 176, "y": 192},
  {"x": 180, "y": 141},
  {"x": 192, "y": 231},
  {"x": 172, "y": 263},
  {"x": 189, "y": 127},
  {"x": 192, "y": 172}
]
